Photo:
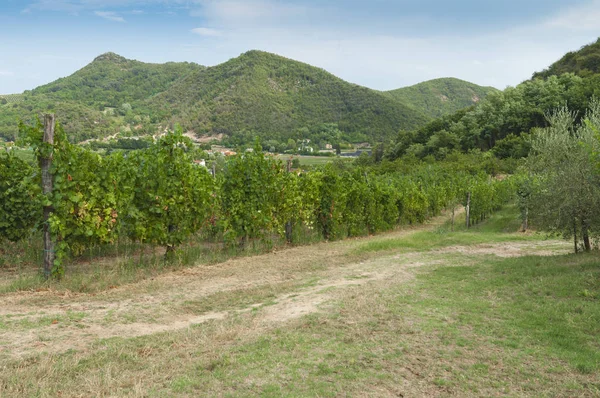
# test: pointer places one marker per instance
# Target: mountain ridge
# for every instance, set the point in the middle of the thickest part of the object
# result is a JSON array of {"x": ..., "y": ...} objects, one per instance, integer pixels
[
  {"x": 285, "y": 95},
  {"x": 256, "y": 93}
]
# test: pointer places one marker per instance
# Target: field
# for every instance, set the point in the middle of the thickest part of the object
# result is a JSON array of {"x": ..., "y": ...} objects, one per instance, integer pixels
[
  {"x": 312, "y": 160},
  {"x": 25, "y": 154},
  {"x": 418, "y": 311},
  {"x": 11, "y": 98}
]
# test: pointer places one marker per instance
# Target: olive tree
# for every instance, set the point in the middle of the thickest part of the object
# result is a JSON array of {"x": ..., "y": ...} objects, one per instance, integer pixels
[{"x": 567, "y": 192}]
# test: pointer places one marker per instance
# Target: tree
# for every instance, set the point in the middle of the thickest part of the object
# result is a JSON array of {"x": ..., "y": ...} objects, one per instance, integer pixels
[
  {"x": 512, "y": 146},
  {"x": 291, "y": 145},
  {"x": 338, "y": 148},
  {"x": 567, "y": 193}
]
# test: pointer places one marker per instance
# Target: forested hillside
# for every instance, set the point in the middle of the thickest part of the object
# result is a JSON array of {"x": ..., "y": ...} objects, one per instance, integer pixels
[
  {"x": 439, "y": 97},
  {"x": 265, "y": 94},
  {"x": 98, "y": 100},
  {"x": 256, "y": 94},
  {"x": 505, "y": 120},
  {"x": 112, "y": 80},
  {"x": 585, "y": 63},
  {"x": 80, "y": 121}
]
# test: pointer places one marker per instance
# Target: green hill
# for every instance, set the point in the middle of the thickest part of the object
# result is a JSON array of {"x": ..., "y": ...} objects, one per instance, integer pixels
[
  {"x": 275, "y": 96},
  {"x": 111, "y": 80},
  {"x": 504, "y": 120},
  {"x": 440, "y": 97},
  {"x": 101, "y": 99},
  {"x": 585, "y": 62},
  {"x": 254, "y": 94}
]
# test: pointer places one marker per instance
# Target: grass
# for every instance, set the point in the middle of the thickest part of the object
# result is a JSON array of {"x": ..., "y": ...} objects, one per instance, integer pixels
[
  {"x": 466, "y": 324},
  {"x": 501, "y": 227},
  {"x": 312, "y": 160},
  {"x": 443, "y": 337},
  {"x": 106, "y": 267},
  {"x": 40, "y": 320},
  {"x": 547, "y": 307},
  {"x": 513, "y": 326},
  {"x": 24, "y": 154},
  {"x": 238, "y": 299}
]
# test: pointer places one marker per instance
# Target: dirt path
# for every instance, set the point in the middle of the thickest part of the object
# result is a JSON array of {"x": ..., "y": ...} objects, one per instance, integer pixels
[{"x": 276, "y": 287}]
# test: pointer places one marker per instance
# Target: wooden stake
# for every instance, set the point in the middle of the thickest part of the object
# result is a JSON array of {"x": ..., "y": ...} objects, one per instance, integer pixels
[
  {"x": 575, "y": 234},
  {"x": 288, "y": 224},
  {"x": 47, "y": 185},
  {"x": 468, "y": 209}
]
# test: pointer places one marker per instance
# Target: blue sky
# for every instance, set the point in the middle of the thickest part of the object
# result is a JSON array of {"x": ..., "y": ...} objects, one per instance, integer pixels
[{"x": 382, "y": 44}]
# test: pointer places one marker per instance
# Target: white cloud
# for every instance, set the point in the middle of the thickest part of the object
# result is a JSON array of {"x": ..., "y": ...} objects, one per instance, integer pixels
[
  {"x": 6, "y": 73},
  {"x": 584, "y": 17},
  {"x": 111, "y": 16},
  {"x": 206, "y": 32},
  {"x": 493, "y": 57}
]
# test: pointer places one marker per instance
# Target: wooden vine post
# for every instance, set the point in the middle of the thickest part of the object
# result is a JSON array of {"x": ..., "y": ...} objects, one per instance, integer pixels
[
  {"x": 468, "y": 209},
  {"x": 526, "y": 220},
  {"x": 47, "y": 186},
  {"x": 575, "y": 234},
  {"x": 288, "y": 224}
]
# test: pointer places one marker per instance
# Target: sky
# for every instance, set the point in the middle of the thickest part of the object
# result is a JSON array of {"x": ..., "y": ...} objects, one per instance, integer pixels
[{"x": 381, "y": 44}]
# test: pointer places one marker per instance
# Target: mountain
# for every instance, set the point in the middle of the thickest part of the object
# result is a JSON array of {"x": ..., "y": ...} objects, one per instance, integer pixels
[
  {"x": 440, "y": 97},
  {"x": 273, "y": 95},
  {"x": 257, "y": 93},
  {"x": 112, "y": 80},
  {"x": 585, "y": 62},
  {"x": 101, "y": 99}
]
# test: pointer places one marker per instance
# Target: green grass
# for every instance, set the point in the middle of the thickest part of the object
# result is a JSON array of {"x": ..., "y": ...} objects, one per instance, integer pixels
[
  {"x": 312, "y": 160},
  {"x": 506, "y": 327},
  {"x": 500, "y": 227},
  {"x": 40, "y": 320},
  {"x": 239, "y": 299},
  {"x": 546, "y": 307}
]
